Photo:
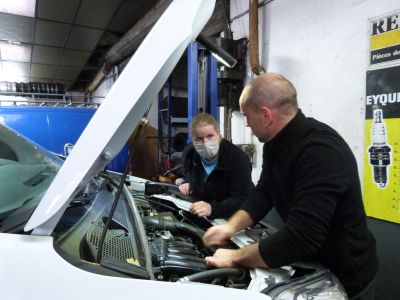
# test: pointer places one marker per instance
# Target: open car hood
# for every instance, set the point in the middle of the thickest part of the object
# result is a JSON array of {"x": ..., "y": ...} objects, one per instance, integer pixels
[{"x": 125, "y": 104}]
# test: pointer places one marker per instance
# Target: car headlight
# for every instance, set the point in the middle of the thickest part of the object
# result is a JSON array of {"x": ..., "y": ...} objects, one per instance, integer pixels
[{"x": 318, "y": 286}]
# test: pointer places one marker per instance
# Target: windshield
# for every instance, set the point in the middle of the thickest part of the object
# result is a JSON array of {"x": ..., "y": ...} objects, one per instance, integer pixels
[{"x": 26, "y": 171}]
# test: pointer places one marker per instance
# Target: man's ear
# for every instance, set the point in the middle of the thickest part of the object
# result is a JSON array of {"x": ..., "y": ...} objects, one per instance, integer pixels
[{"x": 267, "y": 115}]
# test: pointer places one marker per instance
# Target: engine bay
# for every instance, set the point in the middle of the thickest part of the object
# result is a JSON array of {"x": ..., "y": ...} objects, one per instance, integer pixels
[
  {"x": 173, "y": 237},
  {"x": 154, "y": 236}
]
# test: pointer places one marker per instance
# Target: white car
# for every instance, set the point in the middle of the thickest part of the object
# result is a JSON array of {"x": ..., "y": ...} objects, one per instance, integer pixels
[{"x": 70, "y": 230}]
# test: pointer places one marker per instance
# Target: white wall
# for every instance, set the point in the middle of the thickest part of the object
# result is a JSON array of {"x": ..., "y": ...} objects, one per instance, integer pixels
[{"x": 322, "y": 47}]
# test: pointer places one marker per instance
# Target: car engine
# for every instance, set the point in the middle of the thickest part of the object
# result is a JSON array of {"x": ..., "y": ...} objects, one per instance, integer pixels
[
  {"x": 152, "y": 229},
  {"x": 173, "y": 237}
]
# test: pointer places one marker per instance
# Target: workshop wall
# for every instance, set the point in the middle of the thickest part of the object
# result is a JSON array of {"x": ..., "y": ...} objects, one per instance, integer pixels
[{"x": 322, "y": 47}]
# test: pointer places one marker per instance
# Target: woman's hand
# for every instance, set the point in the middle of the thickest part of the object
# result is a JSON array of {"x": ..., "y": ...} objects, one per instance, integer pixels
[
  {"x": 184, "y": 188},
  {"x": 201, "y": 208}
]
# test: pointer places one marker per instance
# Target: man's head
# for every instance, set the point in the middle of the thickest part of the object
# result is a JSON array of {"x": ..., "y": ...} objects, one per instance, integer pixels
[{"x": 269, "y": 102}]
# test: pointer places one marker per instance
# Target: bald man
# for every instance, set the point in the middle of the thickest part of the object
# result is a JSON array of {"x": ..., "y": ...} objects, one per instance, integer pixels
[{"x": 309, "y": 175}]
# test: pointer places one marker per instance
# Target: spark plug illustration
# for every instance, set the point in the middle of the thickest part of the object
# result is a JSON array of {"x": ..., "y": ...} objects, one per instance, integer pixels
[{"x": 379, "y": 152}]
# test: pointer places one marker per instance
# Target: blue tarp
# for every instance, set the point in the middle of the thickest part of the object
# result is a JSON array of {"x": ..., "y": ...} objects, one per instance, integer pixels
[{"x": 54, "y": 127}]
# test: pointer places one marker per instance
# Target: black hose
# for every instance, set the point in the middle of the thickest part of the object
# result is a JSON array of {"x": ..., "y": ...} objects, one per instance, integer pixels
[
  {"x": 215, "y": 273},
  {"x": 171, "y": 225},
  {"x": 185, "y": 257},
  {"x": 214, "y": 48},
  {"x": 179, "y": 264}
]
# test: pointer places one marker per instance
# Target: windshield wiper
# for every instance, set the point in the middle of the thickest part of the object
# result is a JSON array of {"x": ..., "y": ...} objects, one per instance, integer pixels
[
  {"x": 15, "y": 221},
  {"x": 84, "y": 197}
]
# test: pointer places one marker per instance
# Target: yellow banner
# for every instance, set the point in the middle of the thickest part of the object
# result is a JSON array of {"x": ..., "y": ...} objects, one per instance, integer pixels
[{"x": 386, "y": 39}]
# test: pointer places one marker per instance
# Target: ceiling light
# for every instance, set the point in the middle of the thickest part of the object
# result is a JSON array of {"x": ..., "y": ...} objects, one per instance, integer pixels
[
  {"x": 15, "y": 51},
  {"x": 18, "y": 7},
  {"x": 13, "y": 71}
]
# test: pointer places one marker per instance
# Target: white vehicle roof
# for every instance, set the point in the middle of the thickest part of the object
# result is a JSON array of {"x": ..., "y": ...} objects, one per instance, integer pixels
[{"x": 126, "y": 103}]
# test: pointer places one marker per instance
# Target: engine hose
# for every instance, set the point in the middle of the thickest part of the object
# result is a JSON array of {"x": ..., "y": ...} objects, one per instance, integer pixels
[
  {"x": 194, "y": 266},
  {"x": 171, "y": 225},
  {"x": 214, "y": 273},
  {"x": 186, "y": 258}
]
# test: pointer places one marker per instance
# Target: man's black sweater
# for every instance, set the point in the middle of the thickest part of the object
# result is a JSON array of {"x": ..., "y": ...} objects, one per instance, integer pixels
[
  {"x": 227, "y": 185},
  {"x": 310, "y": 176}
]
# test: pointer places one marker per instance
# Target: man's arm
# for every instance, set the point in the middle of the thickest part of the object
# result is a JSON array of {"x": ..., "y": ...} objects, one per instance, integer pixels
[
  {"x": 241, "y": 219},
  {"x": 224, "y": 258},
  {"x": 220, "y": 234}
]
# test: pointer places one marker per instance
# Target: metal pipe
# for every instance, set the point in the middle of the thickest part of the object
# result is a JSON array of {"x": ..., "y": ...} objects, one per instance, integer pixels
[
  {"x": 253, "y": 38},
  {"x": 97, "y": 80}
]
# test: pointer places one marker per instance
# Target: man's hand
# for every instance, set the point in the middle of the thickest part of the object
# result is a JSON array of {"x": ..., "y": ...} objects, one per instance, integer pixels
[
  {"x": 222, "y": 258},
  {"x": 184, "y": 188},
  {"x": 218, "y": 235},
  {"x": 245, "y": 257},
  {"x": 201, "y": 208}
]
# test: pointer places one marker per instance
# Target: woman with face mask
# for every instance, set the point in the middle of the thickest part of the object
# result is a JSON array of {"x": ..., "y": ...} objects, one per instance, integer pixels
[{"x": 217, "y": 173}]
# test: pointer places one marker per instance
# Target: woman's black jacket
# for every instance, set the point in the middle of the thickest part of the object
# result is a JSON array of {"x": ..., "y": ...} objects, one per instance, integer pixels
[{"x": 227, "y": 185}]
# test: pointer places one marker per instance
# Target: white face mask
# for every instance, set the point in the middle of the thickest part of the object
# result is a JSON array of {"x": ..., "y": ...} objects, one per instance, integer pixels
[{"x": 207, "y": 150}]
